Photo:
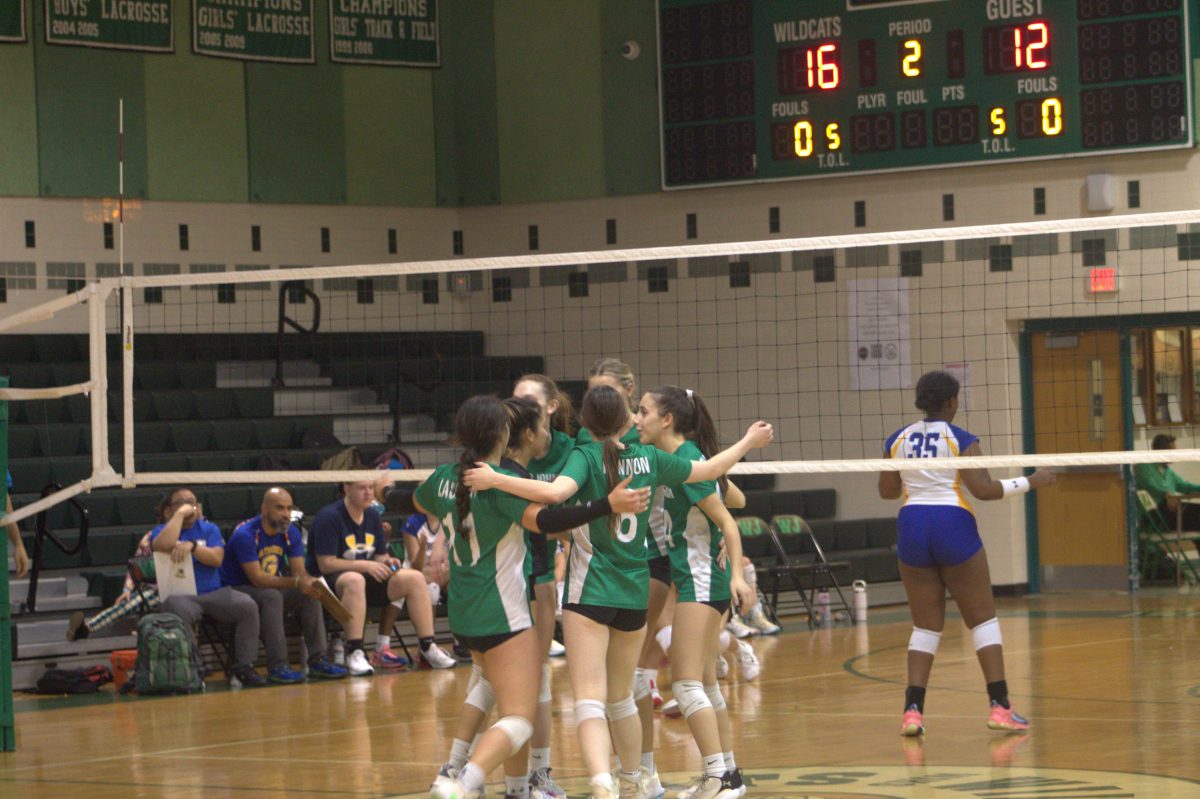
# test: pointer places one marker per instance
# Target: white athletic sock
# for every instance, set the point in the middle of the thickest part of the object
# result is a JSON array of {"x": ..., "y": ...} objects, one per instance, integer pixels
[
  {"x": 517, "y": 787},
  {"x": 471, "y": 778},
  {"x": 603, "y": 778},
  {"x": 714, "y": 765},
  {"x": 460, "y": 752},
  {"x": 383, "y": 642},
  {"x": 652, "y": 676},
  {"x": 648, "y": 761},
  {"x": 730, "y": 765},
  {"x": 539, "y": 758}
]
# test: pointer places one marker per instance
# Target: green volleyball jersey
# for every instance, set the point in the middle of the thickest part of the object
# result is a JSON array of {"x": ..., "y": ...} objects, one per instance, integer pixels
[
  {"x": 693, "y": 540},
  {"x": 489, "y": 589},
  {"x": 585, "y": 437},
  {"x": 609, "y": 568},
  {"x": 548, "y": 467}
]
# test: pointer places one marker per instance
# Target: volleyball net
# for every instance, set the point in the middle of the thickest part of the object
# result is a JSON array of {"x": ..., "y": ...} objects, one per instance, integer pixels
[{"x": 1072, "y": 340}]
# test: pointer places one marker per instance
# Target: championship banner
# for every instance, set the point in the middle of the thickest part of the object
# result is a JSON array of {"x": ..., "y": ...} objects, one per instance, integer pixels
[
  {"x": 254, "y": 30},
  {"x": 115, "y": 24},
  {"x": 386, "y": 32},
  {"x": 12, "y": 21}
]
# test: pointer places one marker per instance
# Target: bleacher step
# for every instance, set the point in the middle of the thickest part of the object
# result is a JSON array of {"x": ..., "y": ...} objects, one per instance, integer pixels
[
  {"x": 306, "y": 402},
  {"x": 53, "y": 604},
  {"x": 247, "y": 374},
  {"x": 49, "y": 587}
]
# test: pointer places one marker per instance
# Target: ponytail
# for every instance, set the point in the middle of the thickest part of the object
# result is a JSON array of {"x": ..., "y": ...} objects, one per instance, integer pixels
[
  {"x": 692, "y": 420},
  {"x": 462, "y": 494},
  {"x": 604, "y": 413},
  {"x": 479, "y": 425}
]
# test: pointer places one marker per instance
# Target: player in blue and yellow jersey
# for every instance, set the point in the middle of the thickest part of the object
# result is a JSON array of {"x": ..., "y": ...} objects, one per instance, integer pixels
[
  {"x": 939, "y": 547},
  {"x": 604, "y": 615}
]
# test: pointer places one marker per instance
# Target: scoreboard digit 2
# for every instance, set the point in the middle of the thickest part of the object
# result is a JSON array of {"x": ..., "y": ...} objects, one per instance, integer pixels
[{"x": 758, "y": 90}]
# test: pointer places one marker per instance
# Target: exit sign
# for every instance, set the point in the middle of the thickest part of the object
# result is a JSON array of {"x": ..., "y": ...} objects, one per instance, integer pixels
[{"x": 1102, "y": 279}]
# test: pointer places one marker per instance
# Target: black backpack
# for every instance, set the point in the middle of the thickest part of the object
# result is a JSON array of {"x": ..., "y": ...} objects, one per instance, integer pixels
[
  {"x": 73, "y": 681},
  {"x": 168, "y": 657},
  {"x": 319, "y": 438}
]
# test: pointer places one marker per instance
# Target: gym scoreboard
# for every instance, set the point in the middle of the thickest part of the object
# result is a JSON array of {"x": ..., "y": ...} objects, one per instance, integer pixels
[{"x": 756, "y": 90}]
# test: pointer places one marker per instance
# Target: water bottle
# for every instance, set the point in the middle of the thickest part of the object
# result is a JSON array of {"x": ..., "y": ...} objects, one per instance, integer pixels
[
  {"x": 821, "y": 614},
  {"x": 860, "y": 601},
  {"x": 339, "y": 651}
]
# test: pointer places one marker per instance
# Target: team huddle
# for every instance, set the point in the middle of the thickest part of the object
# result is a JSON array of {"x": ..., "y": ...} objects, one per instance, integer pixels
[{"x": 640, "y": 489}]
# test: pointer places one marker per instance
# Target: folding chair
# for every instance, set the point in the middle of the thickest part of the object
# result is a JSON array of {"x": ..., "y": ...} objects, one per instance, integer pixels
[
  {"x": 820, "y": 569},
  {"x": 1163, "y": 544}
]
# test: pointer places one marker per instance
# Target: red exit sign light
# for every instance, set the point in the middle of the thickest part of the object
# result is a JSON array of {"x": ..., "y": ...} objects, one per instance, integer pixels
[{"x": 1102, "y": 280}]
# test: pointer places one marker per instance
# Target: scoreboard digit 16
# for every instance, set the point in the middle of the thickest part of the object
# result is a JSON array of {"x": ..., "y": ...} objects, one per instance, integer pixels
[{"x": 754, "y": 91}]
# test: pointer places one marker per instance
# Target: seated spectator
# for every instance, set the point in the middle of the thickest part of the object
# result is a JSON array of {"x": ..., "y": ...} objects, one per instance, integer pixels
[
  {"x": 187, "y": 534},
  {"x": 133, "y": 600},
  {"x": 1166, "y": 487},
  {"x": 254, "y": 562},
  {"x": 16, "y": 547},
  {"x": 425, "y": 550},
  {"x": 347, "y": 548}
]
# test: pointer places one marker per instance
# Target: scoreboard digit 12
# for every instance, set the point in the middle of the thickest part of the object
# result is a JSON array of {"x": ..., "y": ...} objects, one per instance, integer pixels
[{"x": 756, "y": 91}]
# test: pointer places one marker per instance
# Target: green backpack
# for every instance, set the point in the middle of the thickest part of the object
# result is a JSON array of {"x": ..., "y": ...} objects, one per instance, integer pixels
[{"x": 168, "y": 658}]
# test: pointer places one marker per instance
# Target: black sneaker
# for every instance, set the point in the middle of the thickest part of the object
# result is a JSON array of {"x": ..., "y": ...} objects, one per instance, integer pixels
[
  {"x": 461, "y": 653},
  {"x": 247, "y": 677},
  {"x": 77, "y": 628}
]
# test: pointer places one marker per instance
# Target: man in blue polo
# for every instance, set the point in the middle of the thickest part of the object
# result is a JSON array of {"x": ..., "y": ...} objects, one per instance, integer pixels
[{"x": 264, "y": 559}]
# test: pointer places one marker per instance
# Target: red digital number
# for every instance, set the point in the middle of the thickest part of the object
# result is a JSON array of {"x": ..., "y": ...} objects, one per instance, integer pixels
[{"x": 1030, "y": 54}]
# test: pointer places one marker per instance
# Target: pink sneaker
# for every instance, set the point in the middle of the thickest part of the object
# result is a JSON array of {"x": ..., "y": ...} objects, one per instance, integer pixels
[
  {"x": 1005, "y": 718},
  {"x": 655, "y": 696},
  {"x": 387, "y": 659},
  {"x": 912, "y": 723}
]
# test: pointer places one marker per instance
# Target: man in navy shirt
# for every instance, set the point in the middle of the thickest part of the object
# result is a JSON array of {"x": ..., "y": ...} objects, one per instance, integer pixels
[
  {"x": 187, "y": 534},
  {"x": 349, "y": 550},
  {"x": 254, "y": 564}
]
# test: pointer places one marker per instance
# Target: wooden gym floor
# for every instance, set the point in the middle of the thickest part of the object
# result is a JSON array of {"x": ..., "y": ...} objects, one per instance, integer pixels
[{"x": 1110, "y": 682}]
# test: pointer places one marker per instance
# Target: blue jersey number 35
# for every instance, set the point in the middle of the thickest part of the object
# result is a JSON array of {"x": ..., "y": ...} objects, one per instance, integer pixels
[{"x": 923, "y": 445}]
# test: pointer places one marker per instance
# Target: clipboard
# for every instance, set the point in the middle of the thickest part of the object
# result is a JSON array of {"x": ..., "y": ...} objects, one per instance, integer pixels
[
  {"x": 174, "y": 578},
  {"x": 330, "y": 602}
]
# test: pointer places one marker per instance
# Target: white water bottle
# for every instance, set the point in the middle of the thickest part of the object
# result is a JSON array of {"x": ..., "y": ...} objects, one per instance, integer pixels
[{"x": 860, "y": 601}]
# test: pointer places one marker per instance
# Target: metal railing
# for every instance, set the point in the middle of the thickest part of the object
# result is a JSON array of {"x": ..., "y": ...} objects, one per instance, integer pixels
[{"x": 44, "y": 533}]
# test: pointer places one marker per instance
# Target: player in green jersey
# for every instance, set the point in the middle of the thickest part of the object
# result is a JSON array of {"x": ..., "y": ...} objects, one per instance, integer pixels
[
  {"x": 556, "y": 409},
  {"x": 618, "y": 375},
  {"x": 489, "y": 605},
  {"x": 695, "y": 521},
  {"x": 604, "y": 616}
]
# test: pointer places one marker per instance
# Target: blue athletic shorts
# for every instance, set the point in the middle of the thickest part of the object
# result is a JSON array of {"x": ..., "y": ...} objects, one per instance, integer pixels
[{"x": 936, "y": 535}]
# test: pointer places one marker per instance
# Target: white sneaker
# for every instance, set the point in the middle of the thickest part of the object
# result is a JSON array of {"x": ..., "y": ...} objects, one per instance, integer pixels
[
  {"x": 557, "y": 650},
  {"x": 447, "y": 788},
  {"x": 710, "y": 788},
  {"x": 436, "y": 657},
  {"x": 757, "y": 618},
  {"x": 358, "y": 665},
  {"x": 671, "y": 710},
  {"x": 722, "y": 667},
  {"x": 747, "y": 661},
  {"x": 654, "y": 786},
  {"x": 632, "y": 787},
  {"x": 739, "y": 630},
  {"x": 601, "y": 791}
]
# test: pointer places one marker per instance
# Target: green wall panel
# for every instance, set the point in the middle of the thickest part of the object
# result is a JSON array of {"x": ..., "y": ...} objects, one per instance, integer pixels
[
  {"x": 77, "y": 93},
  {"x": 389, "y": 136},
  {"x": 630, "y": 98},
  {"x": 549, "y": 100},
  {"x": 464, "y": 105},
  {"x": 18, "y": 117},
  {"x": 296, "y": 134},
  {"x": 196, "y": 123}
]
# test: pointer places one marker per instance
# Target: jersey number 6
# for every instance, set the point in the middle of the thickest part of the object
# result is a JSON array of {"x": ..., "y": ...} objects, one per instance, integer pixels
[{"x": 626, "y": 536}]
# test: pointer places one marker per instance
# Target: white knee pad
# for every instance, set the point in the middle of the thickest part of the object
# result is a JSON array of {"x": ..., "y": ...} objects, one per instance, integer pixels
[
  {"x": 641, "y": 684},
  {"x": 398, "y": 604},
  {"x": 663, "y": 637},
  {"x": 544, "y": 690},
  {"x": 690, "y": 696},
  {"x": 588, "y": 709},
  {"x": 924, "y": 641},
  {"x": 715, "y": 697},
  {"x": 987, "y": 634},
  {"x": 481, "y": 695},
  {"x": 435, "y": 593},
  {"x": 622, "y": 709},
  {"x": 518, "y": 730}
]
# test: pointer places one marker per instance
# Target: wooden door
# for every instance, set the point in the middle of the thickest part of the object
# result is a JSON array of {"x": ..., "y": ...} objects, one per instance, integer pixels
[{"x": 1077, "y": 407}]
